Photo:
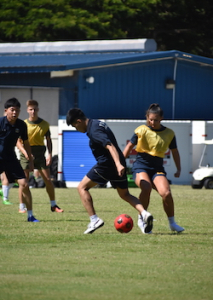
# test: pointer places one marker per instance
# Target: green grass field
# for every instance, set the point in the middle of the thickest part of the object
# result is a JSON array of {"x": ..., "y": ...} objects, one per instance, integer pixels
[{"x": 53, "y": 259}]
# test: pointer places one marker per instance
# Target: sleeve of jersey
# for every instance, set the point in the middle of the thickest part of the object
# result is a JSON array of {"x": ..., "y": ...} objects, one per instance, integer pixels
[
  {"x": 173, "y": 144},
  {"x": 134, "y": 139},
  {"x": 100, "y": 136},
  {"x": 46, "y": 128}
]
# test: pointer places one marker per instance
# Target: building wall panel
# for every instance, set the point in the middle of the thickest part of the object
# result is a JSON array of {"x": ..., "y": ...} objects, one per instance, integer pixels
[
  {"x": 194, "y": 92},
  {"x": 125, "y": 92}
]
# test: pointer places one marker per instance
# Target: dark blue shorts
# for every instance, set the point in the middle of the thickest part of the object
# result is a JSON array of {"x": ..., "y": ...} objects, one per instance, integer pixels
[
  {"x": 151, "y": 171},
  {"x": 12, "y": 169},
  {"x": 103, "y": 174}
]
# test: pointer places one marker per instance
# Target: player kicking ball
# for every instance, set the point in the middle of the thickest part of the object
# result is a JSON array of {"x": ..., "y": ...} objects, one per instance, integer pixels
[{"x": 111, "y": 166}]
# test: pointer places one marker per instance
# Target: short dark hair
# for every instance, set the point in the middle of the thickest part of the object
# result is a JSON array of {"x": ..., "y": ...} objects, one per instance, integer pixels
[
  {"x": 74, "y": 114},
  {"x": 12, "y": 102}
]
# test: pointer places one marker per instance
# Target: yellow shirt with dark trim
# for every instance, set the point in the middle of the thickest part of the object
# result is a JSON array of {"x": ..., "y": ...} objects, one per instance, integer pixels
[
  {"x": 153, "y": 142},
  {"x": 37, "y": 131}
]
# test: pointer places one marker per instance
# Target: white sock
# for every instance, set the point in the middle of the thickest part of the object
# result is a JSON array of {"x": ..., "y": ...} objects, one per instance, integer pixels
[
  {"x": 94, "y": 218},
  {"x": 22, "y": 206},
  {"x": 171, "y": 220},
  {"x": 52, "y": 202},
  {"x": 30, "y": 213},
  {"x": 140, "y": 221},
  {"x": 5, "y": 190},
  {"x": 143, "y": 214}
]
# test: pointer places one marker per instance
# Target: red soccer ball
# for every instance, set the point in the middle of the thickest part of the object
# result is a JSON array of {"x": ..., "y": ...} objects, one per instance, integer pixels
[{"x": 123, "y": 223}]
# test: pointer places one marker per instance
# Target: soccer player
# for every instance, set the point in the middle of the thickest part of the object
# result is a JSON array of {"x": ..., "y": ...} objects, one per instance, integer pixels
[
  {"x": 152, "y": 141},
  {"x": 11, "y": 128},
  {"x": 4, "y": 191},
  {"x": 110, "y": 167},
  {"x": 38, "y": 129}
]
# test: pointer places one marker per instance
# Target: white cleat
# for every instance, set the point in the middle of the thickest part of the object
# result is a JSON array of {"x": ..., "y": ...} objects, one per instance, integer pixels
[
  {"x": 145, "y": 224},
  {"x": 94, "y": 226}
]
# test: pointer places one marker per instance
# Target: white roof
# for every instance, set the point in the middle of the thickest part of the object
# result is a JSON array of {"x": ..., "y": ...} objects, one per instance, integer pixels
[{"x": 144, "y": 45}]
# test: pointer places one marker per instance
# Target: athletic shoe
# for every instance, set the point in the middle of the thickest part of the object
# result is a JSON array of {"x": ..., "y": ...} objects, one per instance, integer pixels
[
  {"x": 147, "y": 223},
  {"x": 176, "y": 227},
  {"x": 140, "y": 222},
  {"x": 22, "y": 211},
  {"x": 56, "y": 209},
  {"x": 1, "y": 194},
  {"x": 7, "y": 202},
  {"x": 141, "y": 225},
  {"x": 32, "y": 219},
  {"x": 94, "y": 225}
]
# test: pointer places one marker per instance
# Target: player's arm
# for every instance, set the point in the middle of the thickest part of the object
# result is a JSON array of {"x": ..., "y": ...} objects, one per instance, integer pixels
[
  {"x": 176, "y": 157},
  {"x": 49, "y": 149},
  {"x": 130, "y": 145},
  {"x": 20, "y": 146},
  {"x": 114, "y": 153},
  {"x": 28, "y": 150},
  {"x": 128, "y": 149}
]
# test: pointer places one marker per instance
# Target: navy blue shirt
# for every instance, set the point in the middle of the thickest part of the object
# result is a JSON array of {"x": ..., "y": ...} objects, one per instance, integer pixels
[
  {"x": 100, "y": 136},
  {"x": 9, "y": 135}
]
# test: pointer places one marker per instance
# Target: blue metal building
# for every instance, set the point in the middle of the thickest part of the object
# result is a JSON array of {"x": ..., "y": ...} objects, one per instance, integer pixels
[{"x": 118, "y": 85}]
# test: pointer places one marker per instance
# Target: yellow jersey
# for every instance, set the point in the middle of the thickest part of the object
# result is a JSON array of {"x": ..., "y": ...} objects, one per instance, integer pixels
[
  {"x": 153, "y": 142},
  {"x": 37, "y": 131}
]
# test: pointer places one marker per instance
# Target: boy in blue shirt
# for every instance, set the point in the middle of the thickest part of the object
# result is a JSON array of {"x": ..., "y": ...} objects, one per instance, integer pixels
[
  {"x": 11, "y": 128},
  {"x": 111, "y": 166}
]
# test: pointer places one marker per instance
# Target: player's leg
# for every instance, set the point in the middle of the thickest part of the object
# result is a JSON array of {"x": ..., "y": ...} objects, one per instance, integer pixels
[
  {"x": 86, "y": 198},
  {"x": 6, "y": 186},
  {"x": 87, "y": 201},
  {"x": 143, "y": 181},
  {"x": 22, "y": 200},
  {"x": 146, "y": 219},
  {"x": 164, "y": 191},
  {"x": 25, "y": 166},
  {"x": 45, "y": 174},
  {"x": 14, "y": 171},
  {"x": 25, "y": 191}
]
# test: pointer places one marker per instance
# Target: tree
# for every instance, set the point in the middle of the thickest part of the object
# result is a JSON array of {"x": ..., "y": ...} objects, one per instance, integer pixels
[{"x": 184, "y": 25}]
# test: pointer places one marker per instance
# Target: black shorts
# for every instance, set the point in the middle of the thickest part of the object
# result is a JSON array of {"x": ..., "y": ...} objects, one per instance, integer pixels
[
  {"x": 12, "y": 169},
  {"x": 103, "y": 174}
]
